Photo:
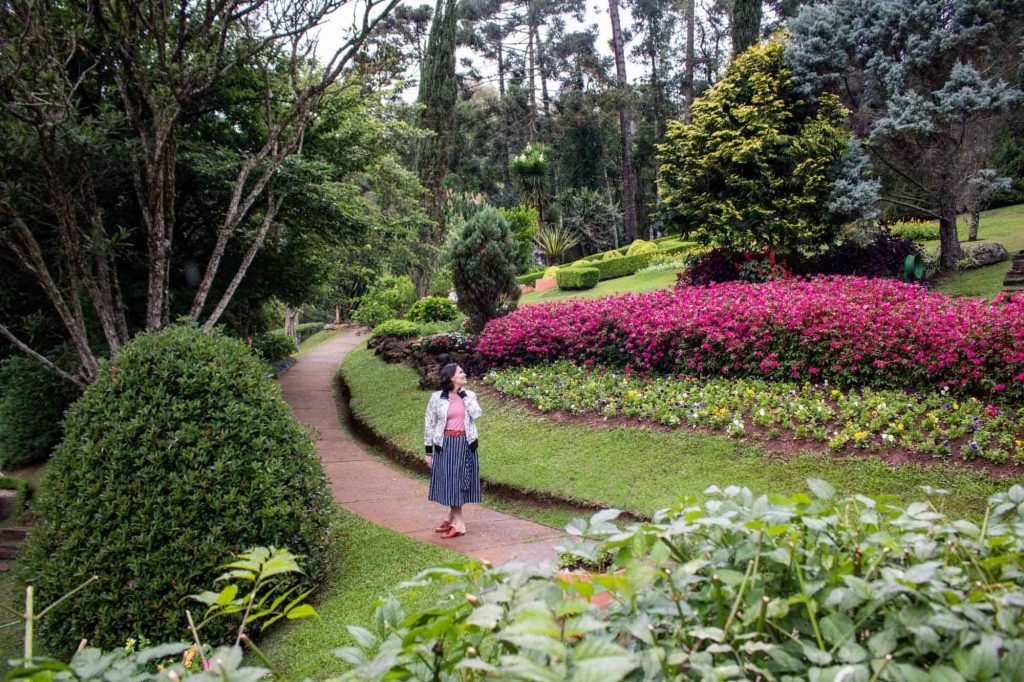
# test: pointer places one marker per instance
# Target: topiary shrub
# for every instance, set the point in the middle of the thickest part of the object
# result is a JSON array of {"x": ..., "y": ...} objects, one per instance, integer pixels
[
  {"x": 432, "y": 309},
  {"x": 578, "y": 278},
  {"x": 32, "y": 402},
  {"x": 180, "y": 455},
  {"x": 530, "y": 278},
  {"x": 551, "y": 272},
  {"x": 611, "y": 255},
  {"x": 640, "y": 246},
  {"x": 401, "y": 329},
  {"x": 484, "y": 268},
  {"x": 273, "y": 347}
]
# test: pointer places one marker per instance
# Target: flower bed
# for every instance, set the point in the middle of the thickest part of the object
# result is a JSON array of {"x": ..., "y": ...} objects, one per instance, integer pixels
[
  {"x": 850, "y": 331},
  {"x": 935, "y": 424}
]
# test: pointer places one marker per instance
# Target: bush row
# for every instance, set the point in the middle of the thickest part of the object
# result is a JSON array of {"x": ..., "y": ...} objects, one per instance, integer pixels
[
  {"x": 934, "y": 423},
  {"x": 849, "y": 331},
  {"x": 578, "y": 278}
]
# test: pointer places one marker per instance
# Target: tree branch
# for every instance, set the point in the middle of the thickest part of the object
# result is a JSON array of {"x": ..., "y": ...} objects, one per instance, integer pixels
[{"x": 77, "y": 379}]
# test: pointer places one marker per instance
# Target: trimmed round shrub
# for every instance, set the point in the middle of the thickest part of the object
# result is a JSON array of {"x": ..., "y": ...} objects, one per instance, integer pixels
[
  {"x": 432, "y": 309},
  {"x": 640, "y": 246},
  {"x": 578, "y": 278},
  {"x": 401, "y": 329},
  {"x": 32, "y": 402},
  {"x": 273, "y": 347},
  {"x": 551, "y": 272},
  {"x": 611, "y": 255},
  {"x": 180, "y": 455}
]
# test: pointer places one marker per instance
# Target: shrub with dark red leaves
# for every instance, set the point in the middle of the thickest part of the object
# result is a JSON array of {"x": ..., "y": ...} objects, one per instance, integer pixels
[
  {"x": 883, "y": 256},
  {"x": 719, "y": 265}
]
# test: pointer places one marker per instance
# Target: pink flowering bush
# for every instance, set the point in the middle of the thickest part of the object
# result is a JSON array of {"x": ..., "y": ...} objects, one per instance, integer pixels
[{"x": 847, "y": 330}]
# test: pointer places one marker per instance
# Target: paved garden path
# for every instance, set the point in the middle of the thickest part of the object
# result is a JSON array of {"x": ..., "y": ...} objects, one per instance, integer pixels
[{"x": 363, "y": 484}]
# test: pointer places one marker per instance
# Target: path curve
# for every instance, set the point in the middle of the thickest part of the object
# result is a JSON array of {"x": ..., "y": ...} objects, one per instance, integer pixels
[{"x": 363, "y": 484}]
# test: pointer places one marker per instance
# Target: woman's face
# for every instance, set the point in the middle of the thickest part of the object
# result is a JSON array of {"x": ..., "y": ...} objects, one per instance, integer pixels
[{"x": 459, "y": 380}]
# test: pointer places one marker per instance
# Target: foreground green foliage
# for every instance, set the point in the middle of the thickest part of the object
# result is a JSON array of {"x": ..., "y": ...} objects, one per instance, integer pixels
[
  {"x": 402, "y": 329},
  {"x": 636, "y": 469},
  {"x": 935, "y": 424},
  {"x": 432, "y": 309},
  {"x": 740, "y": 587},
  {"x": 180, "y": 455}
]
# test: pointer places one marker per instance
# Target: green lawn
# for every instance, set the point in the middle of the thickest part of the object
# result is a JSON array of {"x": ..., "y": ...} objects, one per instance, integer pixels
[
  {"x": 646, "y": 281},
  {"x": 315, "y": 340},
  {"x": 370, "y": 562},
  {"x": 1004, "y": 225},
  {"x": 636, "y": 469}
]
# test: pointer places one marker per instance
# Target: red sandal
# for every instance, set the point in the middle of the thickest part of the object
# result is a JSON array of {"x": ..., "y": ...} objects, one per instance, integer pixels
[
  {"x": 452, "y": 533},
  {"x": 444, "y": 527}
]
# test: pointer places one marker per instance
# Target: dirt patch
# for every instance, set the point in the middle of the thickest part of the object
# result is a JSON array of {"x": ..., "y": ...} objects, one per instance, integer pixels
[{"x": 785, "y": 446}]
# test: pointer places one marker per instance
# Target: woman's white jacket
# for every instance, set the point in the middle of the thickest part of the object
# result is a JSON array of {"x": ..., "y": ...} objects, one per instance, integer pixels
[{"x": 437, "y": 416}]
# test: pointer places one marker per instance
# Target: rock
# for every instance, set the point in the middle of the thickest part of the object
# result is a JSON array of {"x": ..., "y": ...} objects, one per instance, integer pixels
[{"x": 981, "y": 254}]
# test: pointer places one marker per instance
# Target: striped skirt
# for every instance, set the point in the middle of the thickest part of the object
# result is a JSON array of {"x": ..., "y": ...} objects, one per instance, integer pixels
[{"x": 455, "y": 474}]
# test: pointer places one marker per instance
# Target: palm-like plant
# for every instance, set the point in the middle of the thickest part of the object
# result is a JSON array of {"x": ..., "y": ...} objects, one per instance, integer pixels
[{"x": 554, "y": 242}]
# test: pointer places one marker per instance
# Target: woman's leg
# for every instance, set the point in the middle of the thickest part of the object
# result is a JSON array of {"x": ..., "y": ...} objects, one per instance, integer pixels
[{"x": 456, "y": 519}]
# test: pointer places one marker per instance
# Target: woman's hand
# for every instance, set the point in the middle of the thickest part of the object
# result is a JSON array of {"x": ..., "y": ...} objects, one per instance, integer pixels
[{"x": 430, "y": 461}]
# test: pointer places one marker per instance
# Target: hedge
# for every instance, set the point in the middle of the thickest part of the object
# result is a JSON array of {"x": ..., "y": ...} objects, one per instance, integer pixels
[
  {"x": 578, "y": 278},
  {"x": 530, "y": 278}
]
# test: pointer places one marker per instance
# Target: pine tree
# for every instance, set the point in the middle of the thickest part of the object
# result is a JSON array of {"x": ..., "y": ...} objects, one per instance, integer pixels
[
  {"x": 929, "y": 82},
  {"x": 437, "y": 96},
  {"x": 746, "y": 24},
  {"x": 484, "y": 268}
]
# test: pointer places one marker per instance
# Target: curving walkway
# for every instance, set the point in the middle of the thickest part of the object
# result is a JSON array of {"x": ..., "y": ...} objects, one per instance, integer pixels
[{"x": 363, "y": 484}]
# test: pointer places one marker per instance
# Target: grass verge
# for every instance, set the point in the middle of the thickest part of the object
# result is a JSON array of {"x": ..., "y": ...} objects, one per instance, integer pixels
[
  {"x": 316, "y": 340},
  {"x": 369, "y": 562},
  {"x": 636, "y": 469}
]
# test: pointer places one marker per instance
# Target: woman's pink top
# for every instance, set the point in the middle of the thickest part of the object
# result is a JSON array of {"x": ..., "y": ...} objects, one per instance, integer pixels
[{"x": 456, "y": 413}]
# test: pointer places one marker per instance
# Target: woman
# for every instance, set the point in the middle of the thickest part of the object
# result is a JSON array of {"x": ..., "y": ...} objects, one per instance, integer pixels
[{"x": 451, "y": 448}]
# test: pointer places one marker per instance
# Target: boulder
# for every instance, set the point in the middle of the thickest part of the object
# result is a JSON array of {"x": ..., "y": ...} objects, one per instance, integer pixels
[{"x": 981, "y": 254}]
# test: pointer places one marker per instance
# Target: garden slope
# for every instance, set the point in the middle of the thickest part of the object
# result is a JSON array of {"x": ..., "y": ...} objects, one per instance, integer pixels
[{"x": 635, "y": 469}]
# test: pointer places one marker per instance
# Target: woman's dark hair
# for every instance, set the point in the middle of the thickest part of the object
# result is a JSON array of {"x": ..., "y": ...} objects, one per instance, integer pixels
[{"x": 445, "y": 376}]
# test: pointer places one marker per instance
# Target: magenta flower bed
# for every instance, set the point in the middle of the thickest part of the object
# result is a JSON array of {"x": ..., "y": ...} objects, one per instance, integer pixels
[{"x": 847, "y": 330}]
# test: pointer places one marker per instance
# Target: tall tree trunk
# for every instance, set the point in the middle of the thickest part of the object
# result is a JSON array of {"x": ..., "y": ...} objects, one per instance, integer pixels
[
  {"x": 746, "y": 24},
  {"x": 531, "y": 58},
  {"x": 950, "y": 252},
  {"x": 688, "y": 69},
  {"x": 438, "y": 94},
  {"x": 542, "y": 70},
  {"x": 626, "y": 123},
  {"x": 503, "y": 118},
  {"x": 974, "y": 208}
]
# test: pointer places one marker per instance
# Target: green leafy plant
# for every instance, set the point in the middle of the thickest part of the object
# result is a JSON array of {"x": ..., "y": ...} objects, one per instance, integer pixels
[
  {"x": 523, "y": 221},
  {"x": 611, "y": 255},
  {"x": 554, "y": 242},
  {"x": 268, "y": 576},
  {"x": 400, "y": 329},
  {"x": 578, "y": 278},
  {"x": 807, "y": 587},
  {"x": 432, "y": 309},
  {"x": 179, "y": 455},
  {"x": 263, "y": 573}
]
